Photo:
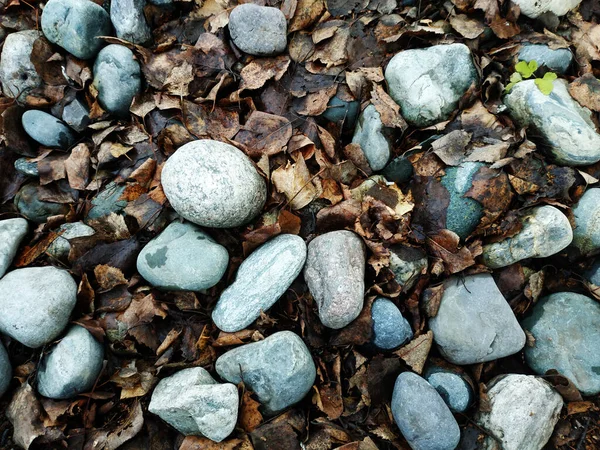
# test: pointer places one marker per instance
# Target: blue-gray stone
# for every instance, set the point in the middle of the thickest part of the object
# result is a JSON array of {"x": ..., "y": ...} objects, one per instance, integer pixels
[
  {"x": 12, "y": 232},
  {"x": 77, "y": 115},
  {"x": 558, "y": 60},
  {"x": 586, "y": 235},
  {"x": 22, "y": 165},
  {"x": 17, "y": 73},
  {"x": 127, "y": 16},
  {"x": 339, "y": 110},
  {"x": 452, "y": 386},
  {"x": 107, "y": 201},
  {"x": 31, "y": 207},
  {"x": 390, "y": 328},
  {"x": 258, "y": 30},
  {"x": 5, "y": 370},
  {"x": 399, "y": 170},
  {"x": 593, "y": 273},
  {"x": 372, "y": 136},
  {"x": 61, "y": 247},
  {"x": 407, "y": 263},
  {"x": 47, "y": 129}
]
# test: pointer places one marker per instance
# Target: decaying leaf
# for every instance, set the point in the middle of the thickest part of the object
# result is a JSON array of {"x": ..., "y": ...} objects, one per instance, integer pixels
[
  {"x": 416, "y": 351},
  {"x": 295, "y": 182}
]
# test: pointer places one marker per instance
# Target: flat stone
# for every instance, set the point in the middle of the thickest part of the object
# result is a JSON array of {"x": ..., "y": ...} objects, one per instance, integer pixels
[
  {"x": 453, "y": 387},
  {"x": 428, "y": 83},
  {"x": 339, "y": 110},
  {"x": 17, "y": 73},
  {"x": 193, "y": 403},
  {"x": 12, "y": 232},
  {"x": 35, "y": 304},
  {"x": 47, "y": 129},
  {"x": 535, "y": 8},
  {"x": 390, "y": 328},
  {"x": 261, "y": 280},
  {"x": 31, "y": 207},
  {"x": 183, "y": 257},
  {"x": 72, "y": 366},
  {"x": 5, "y": 370},
  {"x": 474, "y": 323},
  {"x": 524, "y": 411},
  {"x": 61, "y": 246},
  {"x": 546, "y": 231},
  {"x": 373, "y": 138},
  {"x": 586, "y": 235},
  {"x": 407, "y": 263},
  {"x": 279, "y": 369},
  {"x": 107, "y": 201},
  {"x": 77, "y": 115},
  {"x": 422, "y": 416},
  {"x": 335, "y": 275},
  {"x": 127, "y": 16},
  {"x": 25, "y": 167},
  {"x": 213, "y": 184},
  {"x": 258, "y": 30},
  {"x": 558, "y": 60}
]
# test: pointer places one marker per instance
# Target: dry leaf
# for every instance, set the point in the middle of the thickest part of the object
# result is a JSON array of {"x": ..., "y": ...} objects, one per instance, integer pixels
[
  {"x": 250, "y": 416},
  {"x": 416, "y": 351},
  {"x": 295, "y": 182},
  {"x": 264, "y": 134}
]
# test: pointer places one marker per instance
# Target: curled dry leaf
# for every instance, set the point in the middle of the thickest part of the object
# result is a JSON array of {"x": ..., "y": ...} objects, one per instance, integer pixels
[
  {"x": 249, "y": 415},
  {"x": 387, "y": 108},
  {"x": 586, "y": 90},
  {"x": 259, "y": 71},
  {"x": 295, "y": 182}
]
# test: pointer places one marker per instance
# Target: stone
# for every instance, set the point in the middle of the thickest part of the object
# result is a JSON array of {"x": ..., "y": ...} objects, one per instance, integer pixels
[
  {"x": 524, "y": 411},
  {"x": 35, "y": 304},
  {"x": 407, "y": 263},
  {"x": 564, "y": 126},
  {"x": 428, "y": 83},
  {"x": 117, "y": 77},
  {"x": 422, "y": 416},
  {"x": 586, "y": 235},
  {"x": 47, "y": 129},
  {"x": 279, "y": 369},
  {"x": 399, "y": 170},
  {"x": 5, "y": 370},
  {"x": 17, "y": 73},
  {"x": 566, "y": 328},
  {"x": 453, "y": 387},
  {"x": 193, "y": 403},
  {"x": 12, "y": 232},
  {"x": 593, "y": 273},
  {"x": 546, "y": 231},
  {"x": 61, "y": 246},
  {"x": 72, "y": 366},
  {"x": 335, "y": 275},
  {"x": 31, "y": 207},
  {"x": 260, "y": 281},
  {"x": 213, "y": 184},
  {"x": 339, "y": 110},
  {"x": 26, "y": 167},
  {"x": 258, "y": 30},
  {"x": 557, "y": 61},
  {"x": 373, "y": 138},
  {"x": 390, "y": 328},
  {"x": 127, "y": 16},
  {"x": 474, "y": 323},
  {"x": 107, "y": 202},
  {"x": 183, "y": 257},
  {"x": 77, "y": 115},
  {"x": 535, "y": 8}
]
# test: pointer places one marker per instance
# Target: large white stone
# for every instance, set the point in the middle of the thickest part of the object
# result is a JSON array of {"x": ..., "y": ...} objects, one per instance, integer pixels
[
  {"x": 17, "y": 72},
  {"x": 535, "y": 8}
]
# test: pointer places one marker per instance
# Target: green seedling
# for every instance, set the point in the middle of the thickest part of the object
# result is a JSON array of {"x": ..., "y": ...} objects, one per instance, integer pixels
[{"x": 525, "y": 70}]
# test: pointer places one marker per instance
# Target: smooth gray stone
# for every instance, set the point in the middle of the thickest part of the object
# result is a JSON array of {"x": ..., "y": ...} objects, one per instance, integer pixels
[
  {"x": 213, "y": 184},
  {"x": 453, "y": 387},
  {"x": 183, "y": 257},
  {"x": 335, "y": 275},
  {"x": 22, "y": 165},
  {"x": 107, "y": 201},
  {"x": 47, "y": 129},
  {"x": 77, "y": 115},
  {"x": 390, "y": 328},
  {"x": 546, "y": 231},
  {"x": 558, "y": 60},
  {"x": 5, "y": 370},
  {"x": 474, "y": 323},
  {"x": 422, "y": 416},
  {"x": 586, "y": 235},
  {"x": 72, "y": 366},
  {"x": 31, "y": 207},
  {"x": 535, "y": 8},
  {"x": 12, "y": 232},
  {"x": 279, "y": 369},
  {"x": 260, "y": 281},
  {"x": 428, "y": 83},
  {"x": 340, "y": 110},
  {"x": 372, "y": 136},
  {"x": 35, "y": 304},
  {"x": 399, "y": 170},
  {"x": 566, "y": 328},
  {"x": 258, "y": 30},
  {"x": 61, "y": 246},
  {"x": 524, "y": 411},
  {"x": 117, "y": 77},
  {"x": 17, "y": 73},
  {"x": 593, "y": 273},
  {"x": 75, "y": 25},
  {"x": 407, "y": 263},
  {"x": 193, "y": 403},
  {"x": 127, "y": 16}
]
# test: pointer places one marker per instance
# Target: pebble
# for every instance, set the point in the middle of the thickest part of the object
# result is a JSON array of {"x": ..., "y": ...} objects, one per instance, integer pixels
[
  {"x": 428, "y": 83},
  {"x": 279, "y": 369},
  {"x": 61, "y": 246},
  {"x": 546, "y": 231},
  {"x": 72, "y": 366},
  {"x": 17, "y": 73},
  {"x": 557, "y": 61},
  {"x": 35, "y": 304},
  {"x": 261, "y": 280},
  {"x": 422, "y": 416},
  {"x": 524, "y": 411},
  {"x": 258, "y": 30},
  {"x": 31, "y": 207},
  {"x": 565, "y": 127},
  {"x": 566, "y": 328},
  {"x": 107, "y": 202},
  {"x": 75, "y": 26},
  {"x": 373, "y": 139},
  {"x": 474, "y": 323},
  {"x": 213, "y": 184},
  {"x": 535, "y": 8},
  {"x": 183, "y": 257},
  {"x": 77, "y": 115},
  {"x": 586, "y": 235},
  {"x": 117, "y": 77},
  {"x": 390, "y": 328},
  {"x": 407, "y": 263},
  {"x": 12, "y": 232},
  {"x": 5, "y": 370},
  {"x": 593, "y": 273},
  {"x": 47, "y": 129},
  {"x": 335, "y": 275},
  {"x": 26, "y": 167},
  {"x": 454, "y": 387},
  {"x": 339, "y": 110},
  {"x": 399, "y": 170},
  {"x": 127, "y": 16}
]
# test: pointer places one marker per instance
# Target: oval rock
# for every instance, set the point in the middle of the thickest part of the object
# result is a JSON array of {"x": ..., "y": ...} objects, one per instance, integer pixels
[
  {"x": 452, "y": 386},
  {"x": 373, "y": 138},
  {"x": 31, "y": 207},
  {"x": 12, "y": 232},
  {"x": 586, "y": 235},
  {"x": 258, "y": 30},
  {"x": 47, "y": 129},
  {"x": 127, "y": 16},
  {"x": 17, "y": 72},
  {"x": 390, "y": 328}
]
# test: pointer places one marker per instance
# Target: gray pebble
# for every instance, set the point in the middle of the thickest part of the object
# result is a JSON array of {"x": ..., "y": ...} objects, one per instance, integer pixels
[
  {"x": 31, "y": 207},
  {"x": 127, "y": 16},
  {"x": 407, "y": 263},
  {"x": 26, "y": 167},
  {"x": 77, "y": 115},
  {"x": 390, "y": 328},
  {"x": 452, "y": 386},
  {"x": 399, "y": 170},
  {"x": 5, "y": 370},
  {"x": 558, "y": 60},
  {"x": 47, "y": 129},
  {"x": 535, "y": 8},
  {"x": 107, "y": 202},
  {"x": 61, "y": 246},
  {"x": 17, "y": 73},
  {"x": 373, "y": 138},
  {"x": 593, "y": 273},
  {"x": 258, "y": 30},
  {"x": 586, "y": 235},
  {"x": 339, "y": 110},
  {"x": 12, "y": 232}
]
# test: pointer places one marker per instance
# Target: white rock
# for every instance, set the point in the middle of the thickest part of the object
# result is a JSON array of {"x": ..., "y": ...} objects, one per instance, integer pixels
[
  {"x": 12, "y": 232},
  {"x": 17, "y": 73},
  {"x": 535, "y": 8}
]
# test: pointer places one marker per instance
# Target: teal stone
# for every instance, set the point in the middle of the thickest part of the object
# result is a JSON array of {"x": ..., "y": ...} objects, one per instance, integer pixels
[
  {"x": 107, "y": 201},
  {"x": 31, "y": 207},
  {"x": 339, "y": 110},
  {"x": 25, "y": 167},
  {"x": 399, "y": 170}
]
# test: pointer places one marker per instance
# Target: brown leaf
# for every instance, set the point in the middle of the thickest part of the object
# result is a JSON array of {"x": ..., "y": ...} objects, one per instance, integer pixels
[
  {"x": 52, "y": 168},
  {"x": 564, "y": 386},
  {"x": 77, "y": 167},
  {"x": 579, "y": 407},
  {"x": 202, "y": 443},
  {"x": 492, "y": 189},
  {"x": 250, "y": 416},
  {"x": 260, "y": 70},
  {"x": 264, "y": 134},
  {"x": 356, "y": 154},
  {"x": 204, "y": 120},
  {"x": 431, "y": 298},
  {"x": 445, "y": 245},
  {"x": 586, "y": 90},
  {"x": 295, "y": 182},
  {"x": 119, "y": 432},
  {"x": 108, "y": 277},
  {"x": 416, "y": 351},
  {"x": 29, "y": 254},
  {"x": 387, "y": 108},
  {"x": 451, "y": 147},
  {"x": 466, "y": 26},
  {"x": 315, "y": 103},
  {"x": 307, "y": 12}
]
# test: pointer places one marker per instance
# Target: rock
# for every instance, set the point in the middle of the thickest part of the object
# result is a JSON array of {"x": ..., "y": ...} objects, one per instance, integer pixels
[
  {"x": 566, "y": 328},
  {"x": 373, "y": 138},
  {"x": 72, "y": 366},
  {"x": 593, "y": 273},
  {"x": 558, "y": 60},
  {"x": 35, "y": 304},
  {"x": 183, "y": 257},
  {"x": 5, "y": 370},
  {"x": 565, "y": 127},
  {"x": 117, "y": 77},
  {"x": 77, "y": 115},
  {"x": 335, "y": 275},
  {"x": 546, "y": 231},
  {"x": 127, "y": 16},
  {"x": 422, "y": 416},
  {"x": 454, "y": 387},
  {"x": 61, "y": 246},
  {"x": 390, "y": 329},
  {"x": 17, "y": 73},
  {"x": 407, "y": 263},
  {"x": 279, "y": 370},
  {"x": 339, "y": 110},
  {"x": 31, "y": 207},
  {"x": 47, "y": 129},
  {"x": 193, "y": 403},
  {"x": 399, "y": 170},
  {"x": 258, "y": 30},
  {"x": 524, "y": 410},
  {"x": 213, "y": 184},
  {"x": 12, "y": 232},
  {"x": 428, "y": 83},
  {"x": 535, "y": 8},
  {"x": 75, "y": 26},
  {"x": 586, "y": 235},
  {"x": 260, "y": 281},
  {"x": 25, "y": 167},
  {"x": 474, "y": 323},
  {"x": 107, "y": 202}
]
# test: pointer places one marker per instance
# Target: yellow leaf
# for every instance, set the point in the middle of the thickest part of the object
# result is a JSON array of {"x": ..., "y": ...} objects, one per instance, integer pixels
[{"x": 294, "y": 181}]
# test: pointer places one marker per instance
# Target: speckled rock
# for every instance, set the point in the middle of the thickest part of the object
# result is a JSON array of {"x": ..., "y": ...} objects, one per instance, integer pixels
[
  {"x": 12, "y": 232},
  {"x": 61, "y": 247},
  {"x": 213, "y": 184},
  {"x": 558, "y": 60},
  {"x": 193, "y": 403},
  {"x": 407, "y": 263},
  {"x": 260, "y": 281},
  {"x": 535, "y": 8},
  {"x": 586, "y": 235},
  {"x": 127, "y": 16},
  {"x": 5, "y": 370},
  {"x": 47, "y": 129},
  {"x": 258, "y": 30},
  {"x": 17, "y": 73},
  {"x": 26, "y": 167},
  {"x": 335, "y": 275},
  {"x": 339, "y": 110},
  {"x": 77, "y": 115},
  {"x": 31, "y": 207},
  {"x": 373, "y": 138},
  {"x": 279, "y": 369},
  {"x": 107, "y": 201},
  {"x": 390, "y": 328},
  {"x": 453, "y": 387}
]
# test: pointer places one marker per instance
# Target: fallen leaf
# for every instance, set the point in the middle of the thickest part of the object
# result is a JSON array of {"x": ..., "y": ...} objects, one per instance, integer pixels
[
  {"x": 416, "y": 351},
  {"x": 264, "y": 134},
  {"x": 586, "y": 90},
  {"x": 260, "y": 70},
  {"x": 250, "y": 416},
  {"x": 295, "y": 182}
]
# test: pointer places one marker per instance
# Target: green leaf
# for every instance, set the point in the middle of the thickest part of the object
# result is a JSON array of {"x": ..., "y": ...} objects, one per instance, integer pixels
[
  {"x": 516, "y": 77},
  {"x": 546, "y": 84},
  {"x": 508, "y": 87},
  {"x": 526, "y": 68}
]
